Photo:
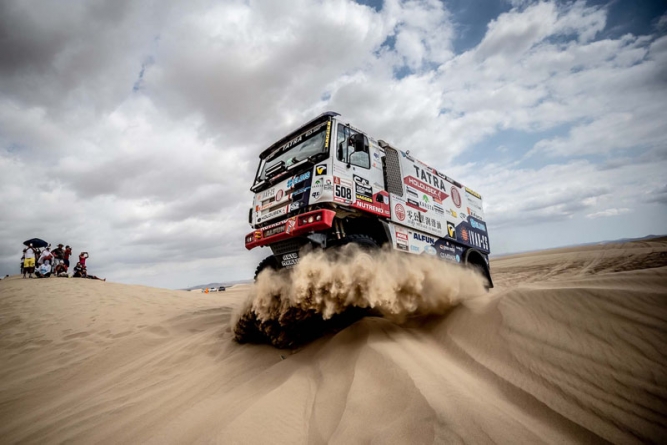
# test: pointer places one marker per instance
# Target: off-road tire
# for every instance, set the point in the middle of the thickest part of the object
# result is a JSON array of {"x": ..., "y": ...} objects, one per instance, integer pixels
[{"x": 269, "y": 262}]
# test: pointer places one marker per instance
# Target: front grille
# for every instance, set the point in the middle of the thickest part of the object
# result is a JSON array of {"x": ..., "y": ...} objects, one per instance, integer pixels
[
  {"x": 287, "y": 246},
  {"x": 392, "y": 172}
]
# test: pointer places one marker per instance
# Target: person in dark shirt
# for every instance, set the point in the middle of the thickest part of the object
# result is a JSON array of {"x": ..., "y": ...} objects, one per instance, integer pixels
[{"x": 66, "y": 255}]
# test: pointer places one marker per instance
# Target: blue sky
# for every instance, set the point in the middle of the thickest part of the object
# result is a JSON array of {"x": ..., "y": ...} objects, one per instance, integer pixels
[{"x": 132, "y": 131}]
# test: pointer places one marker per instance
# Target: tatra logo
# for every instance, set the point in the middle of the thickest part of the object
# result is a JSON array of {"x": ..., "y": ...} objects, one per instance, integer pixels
[
  {"x": 430, "y": 179},
  {"x": 321, "y": 170}
]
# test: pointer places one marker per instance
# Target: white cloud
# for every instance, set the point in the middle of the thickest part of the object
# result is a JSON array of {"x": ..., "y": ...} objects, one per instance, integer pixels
[
  {"x": 607, "y": 213},
  {"x": 132, "y": 130}
]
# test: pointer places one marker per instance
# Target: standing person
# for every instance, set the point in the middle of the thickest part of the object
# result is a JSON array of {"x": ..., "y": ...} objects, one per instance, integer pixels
[
  {"x": 57, "y": 255},
  {"x": 82, "y": 258},
  {"x": 29, "y": 261},
  {"x": 45, "y": 256},
  {"x": 66, "y": 255},
  {"x": 22, "y": 262}
]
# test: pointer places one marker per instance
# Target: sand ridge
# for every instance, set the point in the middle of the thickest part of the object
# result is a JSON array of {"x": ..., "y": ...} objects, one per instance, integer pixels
[{"x": 569, "y": 348}]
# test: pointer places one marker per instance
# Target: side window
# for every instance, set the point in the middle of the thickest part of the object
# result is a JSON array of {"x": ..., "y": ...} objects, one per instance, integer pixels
[
  {"x": 341, "y": 146},
  {"x": 346, "y": 151}
]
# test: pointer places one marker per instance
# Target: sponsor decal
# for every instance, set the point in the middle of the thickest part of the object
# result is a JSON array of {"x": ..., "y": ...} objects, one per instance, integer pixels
[
  {"x": 458, "y": 258},
  {"x": 363, "y": 193},
  {"x": 447, "y": 248},
  {"x": 361, "y": 181},
  {"x": 438, "y": 195},
  {"x": 274, "y": 213},
  {"x": 279, "y": 195},
  {"x": 464, "y": 235},
  {"x": 402, "y": 236},
  {"x": 456, "y": 197},
  {"x": 342, "y": 191},
  {"x": 424, "y": 238},
  {"x": 294, "y": 206},
  {"x": 477, "y": 225},
  {"x": 473, "y": 193},
  {"x": 297, "y": 179},
  {"x": 447, "y": 256},
  {"x": 401, "y": 246},
  {"x": 429, "y": 250},
  {"x": 258, "y": 234},
  {"x": 291, "y": 224},
  {"x": 414, "y": 248},
  {"x": 266, "y": 194},
  {"x": 474, "y": 214},
  {"x": 429, "y": 178},
  {"x": 376, "y": 155},
  {"x": 274, "y": 231},
  {"x": 414, "y": 204},
  {"x": 463, "y": 216},
  {"x": 412, "y": 192},
  {"x": 438, "y": 209},
  {"x": 289, "y": 259},
  {"x": 399, "y": 210},
  {"x": 326, "y": 140},
  {"x": 371, "y": 207},
  {"x": 452, "y": 212},
  {"x": 451, "y": 230},
  {"x": 321, "y": 170}
]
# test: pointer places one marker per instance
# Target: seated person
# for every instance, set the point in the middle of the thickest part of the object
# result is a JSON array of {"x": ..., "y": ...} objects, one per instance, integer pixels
[
  {"x": 81, "y": 272},
  {"x": 44, "y": 271},
  {"x": 60, "y": 270}
]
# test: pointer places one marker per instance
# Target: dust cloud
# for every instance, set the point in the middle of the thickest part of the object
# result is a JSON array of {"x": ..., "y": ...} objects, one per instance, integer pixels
[{"x": 328, "y": 290}]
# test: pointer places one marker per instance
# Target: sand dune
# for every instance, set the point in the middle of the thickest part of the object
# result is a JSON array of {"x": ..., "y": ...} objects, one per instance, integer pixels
[{"x": 569, "y": 348}]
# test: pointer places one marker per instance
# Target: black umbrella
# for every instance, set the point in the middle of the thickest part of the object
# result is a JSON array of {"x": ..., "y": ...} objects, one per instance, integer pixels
[{"x": 36, "y": 242}]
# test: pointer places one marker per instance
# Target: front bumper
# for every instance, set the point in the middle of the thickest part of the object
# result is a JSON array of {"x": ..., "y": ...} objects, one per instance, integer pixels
[{"x": 298, "y": 225}]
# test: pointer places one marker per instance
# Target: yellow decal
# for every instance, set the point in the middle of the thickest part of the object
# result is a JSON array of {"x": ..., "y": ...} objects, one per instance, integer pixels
[
  {"x": 473, "y": 193},
  {"x": 321, "y": 169},
  {"x": 326, "y": 140}
]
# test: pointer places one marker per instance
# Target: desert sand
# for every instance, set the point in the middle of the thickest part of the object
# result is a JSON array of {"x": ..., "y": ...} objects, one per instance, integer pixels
[{"x": 568, "y": 348}]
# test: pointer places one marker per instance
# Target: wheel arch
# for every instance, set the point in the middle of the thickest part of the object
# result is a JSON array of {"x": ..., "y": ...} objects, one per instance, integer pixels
[{"x": 477, "y": 258}]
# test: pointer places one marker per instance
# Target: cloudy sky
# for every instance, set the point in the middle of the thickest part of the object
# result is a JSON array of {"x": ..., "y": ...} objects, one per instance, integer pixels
[{"x": 131, "y": 129}]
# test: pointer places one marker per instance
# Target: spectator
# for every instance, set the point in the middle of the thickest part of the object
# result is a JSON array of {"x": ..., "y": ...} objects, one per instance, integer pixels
[
  {"x": 81, "y": 272},
  {"x": 60, "y": 270},
  {"x": 29, "y": 261},
  {"x": 66, "y": 255},
  {"x": 57, "y": 255},
  {"x": 45, "y": 256},
  {"x": 44, "y": 271},
  {"x": 82, "y": 258}
]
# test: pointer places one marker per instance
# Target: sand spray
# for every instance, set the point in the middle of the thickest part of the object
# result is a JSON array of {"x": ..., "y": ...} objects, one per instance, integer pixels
[{"x": 328, "y": 289}]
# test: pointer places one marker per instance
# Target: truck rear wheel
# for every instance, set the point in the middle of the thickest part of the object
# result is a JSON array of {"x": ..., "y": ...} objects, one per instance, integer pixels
[{"x": 363, "y": 241}]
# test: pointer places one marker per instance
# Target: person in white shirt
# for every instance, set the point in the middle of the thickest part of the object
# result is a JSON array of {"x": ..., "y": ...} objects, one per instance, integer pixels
[
  {"x": 45, "y": 256},
  {"x": 29, "y": 261},
  {"x": 44, "y": 270}
]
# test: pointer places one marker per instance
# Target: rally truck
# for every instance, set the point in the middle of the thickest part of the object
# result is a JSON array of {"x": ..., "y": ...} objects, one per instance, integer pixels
[{"x": 328, "y": 183}]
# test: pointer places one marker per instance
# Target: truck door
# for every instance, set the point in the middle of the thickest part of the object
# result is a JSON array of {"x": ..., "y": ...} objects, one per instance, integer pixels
[{"x": 358, "y": 180}]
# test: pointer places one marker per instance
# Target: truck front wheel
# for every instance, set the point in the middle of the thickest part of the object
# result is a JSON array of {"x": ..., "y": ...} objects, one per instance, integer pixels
[{"x": 267, "y": 263}]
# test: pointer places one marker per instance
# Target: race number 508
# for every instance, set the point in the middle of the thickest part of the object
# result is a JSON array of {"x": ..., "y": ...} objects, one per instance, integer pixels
[{"x": 343, "y": 192}]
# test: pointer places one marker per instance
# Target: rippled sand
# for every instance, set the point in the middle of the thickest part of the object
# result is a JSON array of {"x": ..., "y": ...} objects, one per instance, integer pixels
[{"x": 569, "y": 348}]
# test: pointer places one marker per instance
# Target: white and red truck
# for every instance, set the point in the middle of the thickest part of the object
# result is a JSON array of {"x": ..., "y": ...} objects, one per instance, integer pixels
[{"x": 328, "y": 183}]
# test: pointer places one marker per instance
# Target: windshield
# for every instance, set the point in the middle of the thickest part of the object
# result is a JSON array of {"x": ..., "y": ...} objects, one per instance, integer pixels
[{"x": 307, "y": 144}]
